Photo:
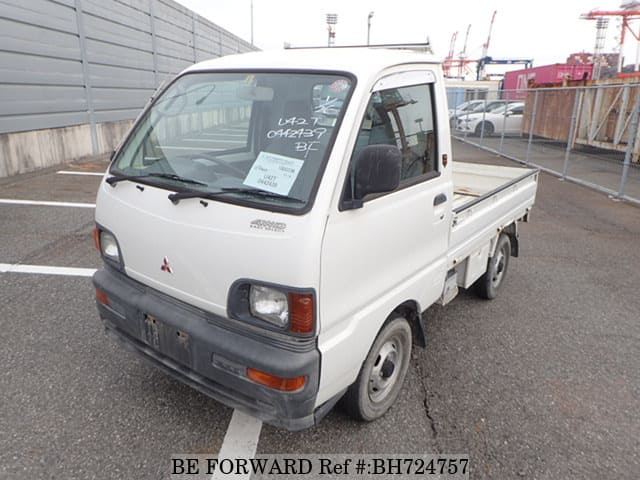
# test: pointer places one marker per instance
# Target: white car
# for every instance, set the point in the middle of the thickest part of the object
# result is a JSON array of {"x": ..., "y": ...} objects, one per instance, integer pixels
[
  {"x": 463, "y": 108},
  {"x": 507, "y": 120}
]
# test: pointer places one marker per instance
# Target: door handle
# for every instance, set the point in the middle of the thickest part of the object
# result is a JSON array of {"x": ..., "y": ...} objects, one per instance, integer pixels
[{"x": 441, "y": 198}]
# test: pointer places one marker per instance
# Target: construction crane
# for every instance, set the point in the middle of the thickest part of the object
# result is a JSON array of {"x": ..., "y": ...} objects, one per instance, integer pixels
[
  {"x": 485, "y": 49},
  {"x": 480, "y": 75},
  {"x": 629, "y": 13},
  {"x": 462, "y": 57},
  {"x": 486, "y": 59},
  {"x": 448, "y": 61}
]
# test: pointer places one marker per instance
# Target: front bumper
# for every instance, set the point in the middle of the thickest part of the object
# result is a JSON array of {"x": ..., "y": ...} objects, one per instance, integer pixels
[
  {"x": 211, "y": 353},
  {"x": 465, "y": 127}
]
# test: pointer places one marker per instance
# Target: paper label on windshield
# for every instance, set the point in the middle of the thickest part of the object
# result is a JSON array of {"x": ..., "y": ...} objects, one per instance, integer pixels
[{"x": 273, "y": 173}]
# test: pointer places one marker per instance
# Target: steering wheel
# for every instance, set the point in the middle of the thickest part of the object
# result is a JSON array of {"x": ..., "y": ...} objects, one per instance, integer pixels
[{"x": 225, "y": 167}]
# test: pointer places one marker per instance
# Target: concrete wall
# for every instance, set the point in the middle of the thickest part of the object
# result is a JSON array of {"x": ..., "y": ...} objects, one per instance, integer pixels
[
  {"x": 74, "y": 72},
  {"x": 23, "y": 152}
]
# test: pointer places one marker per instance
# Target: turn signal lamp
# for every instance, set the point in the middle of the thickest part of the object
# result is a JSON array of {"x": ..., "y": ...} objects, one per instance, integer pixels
[
  {"x": 302, "y": 312},
  {"x": 275, "y": 382}
]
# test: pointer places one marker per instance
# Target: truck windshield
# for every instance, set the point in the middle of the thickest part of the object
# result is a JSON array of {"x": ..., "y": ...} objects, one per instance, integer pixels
[{"x": 239, "y": 133}]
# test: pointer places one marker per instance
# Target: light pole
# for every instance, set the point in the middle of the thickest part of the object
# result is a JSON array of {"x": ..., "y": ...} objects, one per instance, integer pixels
[
  {"x": 369, "y": 27},
  {"x": 332, "y": 20}
]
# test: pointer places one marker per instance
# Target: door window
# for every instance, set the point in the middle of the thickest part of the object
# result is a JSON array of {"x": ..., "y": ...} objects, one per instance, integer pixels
[{"x": 402, "y": 117}]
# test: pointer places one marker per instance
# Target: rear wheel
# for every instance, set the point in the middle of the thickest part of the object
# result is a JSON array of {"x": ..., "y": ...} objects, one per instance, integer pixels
[
  {"x": 488, "y": 129},
  {"x": 382, "y": 374},
  {"x": 488, "y": 284}
]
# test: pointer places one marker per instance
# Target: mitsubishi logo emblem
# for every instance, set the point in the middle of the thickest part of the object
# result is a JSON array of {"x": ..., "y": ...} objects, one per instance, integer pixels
[{"x": 165, "y": 265}]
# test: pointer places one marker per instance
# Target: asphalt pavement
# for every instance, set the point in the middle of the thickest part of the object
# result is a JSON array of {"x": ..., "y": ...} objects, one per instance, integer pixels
[{"x": 543, "y": 382}]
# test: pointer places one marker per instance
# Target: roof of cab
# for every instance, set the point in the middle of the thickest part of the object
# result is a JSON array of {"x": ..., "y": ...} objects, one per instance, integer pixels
[{"x": 359, "y": 61}]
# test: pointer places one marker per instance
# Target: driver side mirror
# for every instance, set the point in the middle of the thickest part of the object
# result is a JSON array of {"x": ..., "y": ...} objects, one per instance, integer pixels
[{"x": 377, "y": 170}]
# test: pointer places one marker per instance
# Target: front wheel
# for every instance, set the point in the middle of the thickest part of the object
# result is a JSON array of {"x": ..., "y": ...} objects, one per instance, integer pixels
[
  {"x": 488, "y": 284},
  {"x": 486, "y": 127},
  {"x": 382, "y": 374}
]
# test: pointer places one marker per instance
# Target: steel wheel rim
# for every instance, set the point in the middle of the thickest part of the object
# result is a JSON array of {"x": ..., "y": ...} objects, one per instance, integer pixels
[
  {"x": 500, "y": 265},
  {"x": 386, "y": 369}
]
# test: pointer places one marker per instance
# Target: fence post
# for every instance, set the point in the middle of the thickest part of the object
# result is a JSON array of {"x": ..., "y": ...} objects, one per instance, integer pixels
[
  {"x": 484, "y": 113},
  {"x": 85, "y": 76},
  {"x": 504, "y": 126},
  {"x": 532, "y": 127},
  {"x": 572, "y": 133},
  {"x": 628, "y": 154}
]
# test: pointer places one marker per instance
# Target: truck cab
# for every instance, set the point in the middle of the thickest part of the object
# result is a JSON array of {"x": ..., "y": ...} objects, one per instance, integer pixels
[{"x": 275, "y": 224}]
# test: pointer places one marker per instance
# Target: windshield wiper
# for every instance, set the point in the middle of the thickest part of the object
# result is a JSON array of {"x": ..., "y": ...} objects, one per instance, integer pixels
[
  {"x": 176, "y": 197},
  {"x": 171, "y": 176}
]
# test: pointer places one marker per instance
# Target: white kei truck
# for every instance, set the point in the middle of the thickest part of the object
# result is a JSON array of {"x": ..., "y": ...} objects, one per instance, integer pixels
[{"x": 275, "y": 225}]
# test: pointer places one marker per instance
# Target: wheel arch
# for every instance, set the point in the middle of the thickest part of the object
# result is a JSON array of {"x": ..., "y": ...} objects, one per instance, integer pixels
[
  {"x": 512, "y": 232},
  {"x": 410, "y": 310}
]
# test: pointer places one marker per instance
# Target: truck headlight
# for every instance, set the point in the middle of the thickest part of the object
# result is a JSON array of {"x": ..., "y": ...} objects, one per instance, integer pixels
[
  {"x": 269, "y": 304},
  {"x": 278, "y": 307},
  {"x": 109, "y": 246}
]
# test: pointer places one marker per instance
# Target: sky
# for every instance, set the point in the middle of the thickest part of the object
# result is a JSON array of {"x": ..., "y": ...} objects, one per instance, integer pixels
[{"x": 546, "y": 31}]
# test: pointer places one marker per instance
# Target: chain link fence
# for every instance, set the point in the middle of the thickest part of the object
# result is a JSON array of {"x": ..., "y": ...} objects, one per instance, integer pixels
[{"x": 586, "y": 135}]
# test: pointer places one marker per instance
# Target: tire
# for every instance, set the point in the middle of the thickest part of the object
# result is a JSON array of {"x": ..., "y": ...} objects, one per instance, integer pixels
[
  {"x": 382, "y": 374},
  {"x": 488, "y": 129},
  {"x": 488, "y": 284}
]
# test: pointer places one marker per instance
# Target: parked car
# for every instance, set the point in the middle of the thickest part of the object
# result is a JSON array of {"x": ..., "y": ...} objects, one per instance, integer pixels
[
  {"x": 507, "y": 119},
  {"x": 277, "y": 249},
  {"x": 490, "y": 106},
  {"x": 464, "y": 107}
]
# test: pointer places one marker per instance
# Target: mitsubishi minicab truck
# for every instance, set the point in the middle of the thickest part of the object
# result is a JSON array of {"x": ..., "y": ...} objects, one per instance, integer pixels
[{"x": 275, "y": 225}]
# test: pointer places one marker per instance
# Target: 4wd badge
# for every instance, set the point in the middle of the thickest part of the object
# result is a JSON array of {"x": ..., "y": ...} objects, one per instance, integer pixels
[{"x": 268, "y": 225}]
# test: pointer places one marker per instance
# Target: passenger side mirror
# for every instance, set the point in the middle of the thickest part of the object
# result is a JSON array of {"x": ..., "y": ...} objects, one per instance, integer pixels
[{"x": 377, "y": 170}]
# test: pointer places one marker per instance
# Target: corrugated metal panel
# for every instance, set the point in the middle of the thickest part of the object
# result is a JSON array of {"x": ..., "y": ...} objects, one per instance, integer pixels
[
  {"x": 126, "y": 15},
  {"x": 28, "y": 99},
  {"x": 110, "y": 76},
  {"x": 98, "y": 28},
  {"x": 34, "y": 40},
  {"x": 174, "y": 33},
  {"x": 119, "y": 98},
  {"x": 43, "y": 83},
  {"x": 119, "y": 56},
  {"x": 16, "y": 68},
  {"x": 43, "y": 13}
]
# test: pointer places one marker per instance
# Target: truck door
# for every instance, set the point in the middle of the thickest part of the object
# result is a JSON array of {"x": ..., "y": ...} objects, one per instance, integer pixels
[{"x": 394, "y": 246}]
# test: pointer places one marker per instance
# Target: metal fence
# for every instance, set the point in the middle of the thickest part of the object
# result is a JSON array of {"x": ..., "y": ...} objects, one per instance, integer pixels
[
  {"x": 586, "y": 135},
  {"x": 72, "y": 62}
]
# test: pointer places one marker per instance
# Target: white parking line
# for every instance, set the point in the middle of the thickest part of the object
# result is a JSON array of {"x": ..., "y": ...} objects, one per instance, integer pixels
[
  {"x": 46, "y": 270},
  {"x": 240, "y": 441},
  {"x": 13, "y": 201},
  {"x": 70, "y": 172},
  {"x": 243, "y": 432}
]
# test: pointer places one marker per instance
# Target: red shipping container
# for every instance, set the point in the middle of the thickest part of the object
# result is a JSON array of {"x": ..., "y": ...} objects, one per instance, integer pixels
[{"x": 516, "y": 81}]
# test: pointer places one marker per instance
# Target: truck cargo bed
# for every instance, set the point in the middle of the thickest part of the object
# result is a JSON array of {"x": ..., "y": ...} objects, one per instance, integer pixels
[{"x": 486, "y": 199}]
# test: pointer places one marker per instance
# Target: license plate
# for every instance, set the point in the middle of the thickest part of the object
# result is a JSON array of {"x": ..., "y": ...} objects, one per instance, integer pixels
[{"x": 169, "y": 341}]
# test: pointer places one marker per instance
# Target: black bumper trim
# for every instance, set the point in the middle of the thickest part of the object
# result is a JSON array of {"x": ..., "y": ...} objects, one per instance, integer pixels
[{"x": 133, "y": 303}]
